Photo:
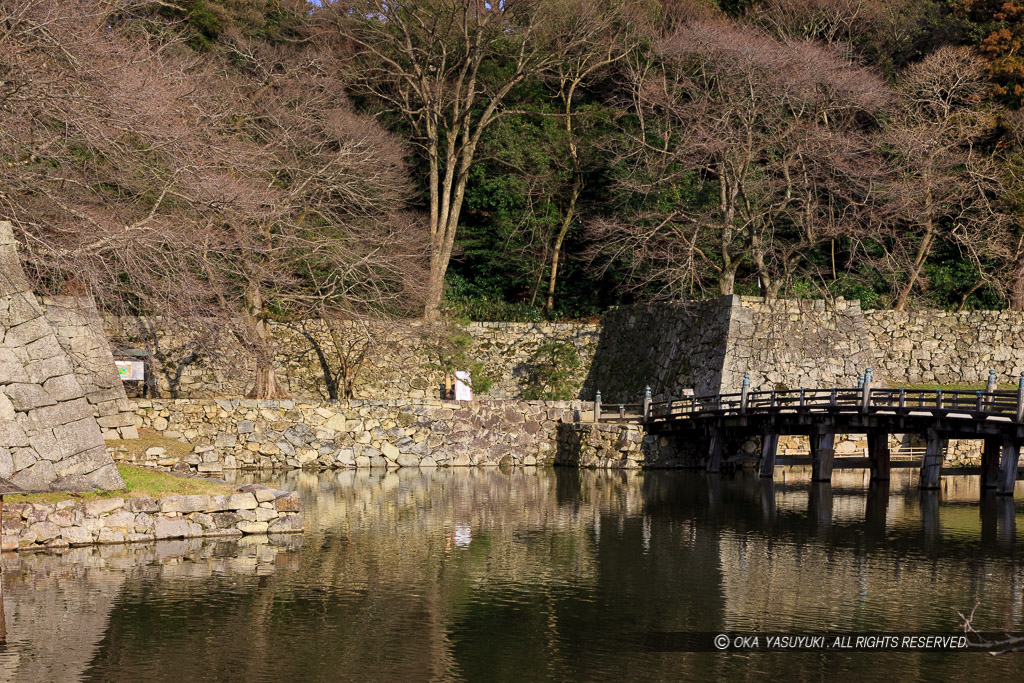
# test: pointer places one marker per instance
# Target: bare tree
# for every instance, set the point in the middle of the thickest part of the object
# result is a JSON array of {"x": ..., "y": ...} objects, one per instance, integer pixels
[
  {"x": 444, "y": 69},
  {"x": 942, "y": 183},
  {"x": 169, "y": 182},
  {"x": 747, "y": 152}
]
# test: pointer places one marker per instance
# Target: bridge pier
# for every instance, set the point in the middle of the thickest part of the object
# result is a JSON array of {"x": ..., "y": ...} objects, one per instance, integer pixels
[
  {"x": 823, "y": 453},
  {"x": 879, "y": 455},
  {"x": 931, "y": 464},
  {"x": 1008, "y": 467},
  {"x": 769, "y": 448}
]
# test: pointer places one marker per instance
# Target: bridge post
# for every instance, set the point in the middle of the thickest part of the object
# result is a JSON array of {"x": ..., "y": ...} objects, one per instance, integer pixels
[
  {"x": 931, "y": 464},
  {"x": 1020, "y": 399},
  {"x": 990, "y": 463},
  {"x": 1008, "y": 467},
  {"x": 647, "y": 403},
  {"x": 769, "y": 448},
  {"x": 991, "y": 386},
  {"x": 715, "y": 452},
  {"x": 823, "y": 452},
  {"x": 865, "y": 397},
  {"x": 597, "y": 407},
  {"x": 744, "y": 390},
  {"x": 879, "y": 455}
]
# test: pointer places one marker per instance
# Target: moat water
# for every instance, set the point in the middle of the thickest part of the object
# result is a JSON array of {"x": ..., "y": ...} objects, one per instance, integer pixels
[{"x": 535, "y": 574}]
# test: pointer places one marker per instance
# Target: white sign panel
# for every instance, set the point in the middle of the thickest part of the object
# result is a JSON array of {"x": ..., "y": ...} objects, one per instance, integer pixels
[{"x": 131, "y": 370}]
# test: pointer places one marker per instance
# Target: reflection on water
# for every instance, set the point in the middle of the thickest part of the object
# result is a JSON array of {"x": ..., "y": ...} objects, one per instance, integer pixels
[{"x": 530, "y": 574}]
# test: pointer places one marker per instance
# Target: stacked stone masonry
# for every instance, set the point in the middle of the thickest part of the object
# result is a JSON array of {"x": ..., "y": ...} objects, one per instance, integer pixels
[
  {"x": 704, "y": 345},
  {"x": 79, "y": 329},
  {"x": 49, "y": 435},
  {"x": 192, "y": 362},
  {"x": 252, "y": 510},
  {"x": 283, "y": 434}
]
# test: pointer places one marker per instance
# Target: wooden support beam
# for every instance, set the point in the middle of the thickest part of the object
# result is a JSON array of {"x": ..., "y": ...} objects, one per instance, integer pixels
[
  {"x": 931, "y": 463},
  {"x": 990, "y": 463},
  {"x": 879, "y": 455},
  {"x": 823, "y": 453},
  {"x": 1008, "y": 467},
  {"x": 715, "y": 452},
  {"x": 769, "y": 448}
]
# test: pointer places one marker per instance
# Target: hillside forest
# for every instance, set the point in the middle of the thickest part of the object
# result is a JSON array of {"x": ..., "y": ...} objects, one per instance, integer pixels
[{"x": 248, "y": 161}]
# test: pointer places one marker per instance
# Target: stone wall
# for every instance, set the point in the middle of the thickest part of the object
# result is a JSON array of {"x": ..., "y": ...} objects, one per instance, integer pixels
[
  {"x": 670, "y": 347},
  {"x": 626, "y": 446},
  {"x": 283, "y": 434},
  {"x": 197, "y": 362},
  {"x": 789, "y": 344},
  {"x": 79, "y": 329},
  {"x": 49, "y": 436},
  {"x": 252, "y": 510},
  {"x": 707, "y": 346},
  {"x": 939, "y": 347},
  {"x": 704, "y": 345}
]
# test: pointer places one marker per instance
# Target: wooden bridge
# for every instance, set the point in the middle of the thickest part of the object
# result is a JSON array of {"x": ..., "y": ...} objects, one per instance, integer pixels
[{"x": 993, "y": 416}]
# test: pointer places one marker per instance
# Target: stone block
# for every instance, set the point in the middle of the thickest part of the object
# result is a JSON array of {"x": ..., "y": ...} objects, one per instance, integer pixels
[
  {"x": 289, "y": 523},
  {"x": 242, "y": 501},
  {"x": 11, "y": 369},
  {"x": 41, "y": 370},
  {"x": 265, "y": 515},
  {"x": 264, "y": 495},
  {"x": 106, "y": 478},
  {"x": 289, "y": 502},
  {"x": 143, "y": 504},
  {"x": 252, "y": 527},
  {"x": 95, "y": 508},
  {"x": 225, "y": 520},
  {"x": 26, "y": 397},
  {"x": 76, "y": 535},
  {"x": 34, "y": 478},
  {"x": 170, "y": 527},
  {"x": 107, "y": 535},
  {"x": 78, "y": 436},
  {"x": 184, "y": 504},
  {"x": 45, "y": 531}
]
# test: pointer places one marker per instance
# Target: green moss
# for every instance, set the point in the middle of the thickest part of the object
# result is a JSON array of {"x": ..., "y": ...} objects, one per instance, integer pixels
[{"x": 139, "y": 482}]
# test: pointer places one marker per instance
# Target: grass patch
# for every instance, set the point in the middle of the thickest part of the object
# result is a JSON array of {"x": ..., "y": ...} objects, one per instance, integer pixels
[
  {"x": 140, "y": 482},
  {"x": 148, "y": 438}
]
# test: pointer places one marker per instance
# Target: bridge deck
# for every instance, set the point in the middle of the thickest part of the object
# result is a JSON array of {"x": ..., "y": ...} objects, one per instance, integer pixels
[{"x": 995, "y": 416}]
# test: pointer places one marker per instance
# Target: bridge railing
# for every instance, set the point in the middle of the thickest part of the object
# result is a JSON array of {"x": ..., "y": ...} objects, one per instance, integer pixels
[
  {"x": 991, "y": 402},
  {"x": 977, "y": 403}
]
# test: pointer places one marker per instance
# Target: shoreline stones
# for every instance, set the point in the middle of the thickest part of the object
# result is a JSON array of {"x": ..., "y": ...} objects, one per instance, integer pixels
[
  {"x": 232, "y": 434},
  {"x": 254, "y": 510}
]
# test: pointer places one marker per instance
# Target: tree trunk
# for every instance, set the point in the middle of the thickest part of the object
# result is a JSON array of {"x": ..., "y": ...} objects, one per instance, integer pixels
[
  {"x": 915, "y": 269},
  {"x": 267, "y": 383},
  {"x": 727, "y": 282},
  {"x": 563, "y": 230}
]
